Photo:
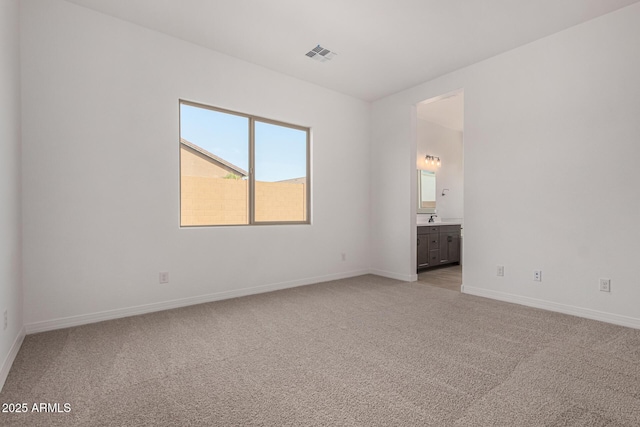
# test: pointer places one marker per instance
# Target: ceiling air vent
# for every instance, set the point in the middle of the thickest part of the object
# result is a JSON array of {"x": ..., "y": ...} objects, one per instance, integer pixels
[{"x": 321, "y": 54}]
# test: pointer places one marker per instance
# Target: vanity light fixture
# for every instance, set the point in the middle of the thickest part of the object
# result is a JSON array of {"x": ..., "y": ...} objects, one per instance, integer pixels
[{"x": 432, "y": 160}]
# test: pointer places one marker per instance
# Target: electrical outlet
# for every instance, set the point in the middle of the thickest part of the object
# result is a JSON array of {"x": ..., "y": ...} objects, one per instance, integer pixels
[
  {"x": 6, "y": 319},
  {"x": 344, "y": 256},
  {"x": 164, "y": 277},
  {"x": 605, "y": 285},
  {"x": 537, "y": 276},
  {"x": 500, "y": 271}
]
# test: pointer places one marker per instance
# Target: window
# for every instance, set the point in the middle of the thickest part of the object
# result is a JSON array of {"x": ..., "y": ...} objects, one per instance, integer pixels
[{"x": 238, "y": 169}]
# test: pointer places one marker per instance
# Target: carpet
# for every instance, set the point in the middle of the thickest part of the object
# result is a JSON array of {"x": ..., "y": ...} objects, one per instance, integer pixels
[{"x": 364, "y": 351}]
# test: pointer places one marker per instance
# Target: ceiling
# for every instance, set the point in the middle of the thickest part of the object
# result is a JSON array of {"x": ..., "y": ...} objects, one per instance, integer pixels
[
  {"x": 383, "y": 46},
  {"x": 446, "y": 110}
]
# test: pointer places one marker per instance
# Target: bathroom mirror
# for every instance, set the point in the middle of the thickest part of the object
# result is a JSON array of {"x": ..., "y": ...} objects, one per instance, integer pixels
[{"x": 426, "y": 192}]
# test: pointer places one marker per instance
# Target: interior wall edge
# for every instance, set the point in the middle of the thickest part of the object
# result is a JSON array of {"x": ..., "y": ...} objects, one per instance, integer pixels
[
  {"x": 395, "y": 275},
  {"x": 616, "y": 319},
  {"x": 85, "y": 319},
  {"x": 11, "y": 357}
]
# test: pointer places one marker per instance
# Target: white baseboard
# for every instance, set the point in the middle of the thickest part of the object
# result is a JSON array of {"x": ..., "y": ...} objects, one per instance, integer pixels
[
  {"x": 397, "y": 276},
  {"x": 587, "y": 313},
  {"x": 83, "y": 319},
  {"x": 8, "y": 361}
]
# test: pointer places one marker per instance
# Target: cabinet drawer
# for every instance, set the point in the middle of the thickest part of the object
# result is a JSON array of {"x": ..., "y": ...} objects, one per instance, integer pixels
[
  {"x": 423, "y": 229},
  {"x": 434, "y": 257},
  {"x": 434, "y": 241},
  {"x": 450, "y": 229},
  {"x": 428, "y": 229}
]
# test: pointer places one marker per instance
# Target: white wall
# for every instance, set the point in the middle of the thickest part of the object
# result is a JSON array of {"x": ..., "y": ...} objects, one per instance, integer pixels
[
  {"x": 10, "y": 240},
  {"x": 101, "y": 179},
  {"x": 446, "y": 144},
  {"x": 539, "y": 121},
  {"x": 393, "y": 190}
]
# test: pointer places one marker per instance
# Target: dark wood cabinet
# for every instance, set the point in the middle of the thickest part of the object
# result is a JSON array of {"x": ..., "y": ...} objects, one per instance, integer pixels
[
  {"x": 449, "y": 244},
  {"x": 438, "y": 245},
  {"x": 423, "y": 250}
]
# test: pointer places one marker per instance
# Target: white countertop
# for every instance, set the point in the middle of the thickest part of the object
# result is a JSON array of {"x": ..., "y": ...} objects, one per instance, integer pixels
[{"x": 438, "y": 221}]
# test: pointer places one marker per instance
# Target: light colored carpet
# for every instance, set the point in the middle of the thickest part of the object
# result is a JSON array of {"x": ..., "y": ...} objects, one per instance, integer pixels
[{"x": 364, "y": 351}]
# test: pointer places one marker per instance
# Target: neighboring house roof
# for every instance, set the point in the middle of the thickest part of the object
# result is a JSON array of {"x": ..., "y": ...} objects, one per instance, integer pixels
[
  {"x": 213, "y": 157},
  {"x": 301, "y": 180}
]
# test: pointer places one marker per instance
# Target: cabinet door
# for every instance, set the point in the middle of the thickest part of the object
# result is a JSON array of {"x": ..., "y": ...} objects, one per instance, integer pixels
[
  {"x": 454, "y": 248},
  {"x": 423, "y": 250},
  {"x": 444, "y": 247},
  {"x": 449, "y": 247}
]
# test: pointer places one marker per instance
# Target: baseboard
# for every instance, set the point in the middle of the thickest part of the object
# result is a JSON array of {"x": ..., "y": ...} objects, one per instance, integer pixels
[
  {"x": 587, "y": 313},
  {"x": 397, "y": 276},
  {"x": 68, "y": 322},
  {"x": 8, "y": 361}
]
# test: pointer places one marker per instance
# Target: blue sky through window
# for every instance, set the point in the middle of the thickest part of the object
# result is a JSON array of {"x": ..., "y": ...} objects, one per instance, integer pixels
[{"x": 280, "y": 151}]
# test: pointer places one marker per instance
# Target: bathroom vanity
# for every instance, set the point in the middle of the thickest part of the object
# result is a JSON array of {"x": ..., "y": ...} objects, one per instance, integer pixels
[{"x": 438, "y": 244}]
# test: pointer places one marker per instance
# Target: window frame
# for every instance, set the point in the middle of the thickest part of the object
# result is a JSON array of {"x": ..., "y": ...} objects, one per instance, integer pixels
[{"x": 251, "y": 120}]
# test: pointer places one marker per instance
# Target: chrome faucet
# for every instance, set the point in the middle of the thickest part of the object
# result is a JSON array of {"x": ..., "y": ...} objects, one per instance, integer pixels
[{"x": 431, "y": 218}]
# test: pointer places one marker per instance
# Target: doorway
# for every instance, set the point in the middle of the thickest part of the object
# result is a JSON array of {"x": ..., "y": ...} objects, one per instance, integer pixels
[
  {"x": 449, "y": 277},
  {"x": 440, "y": 138}
]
